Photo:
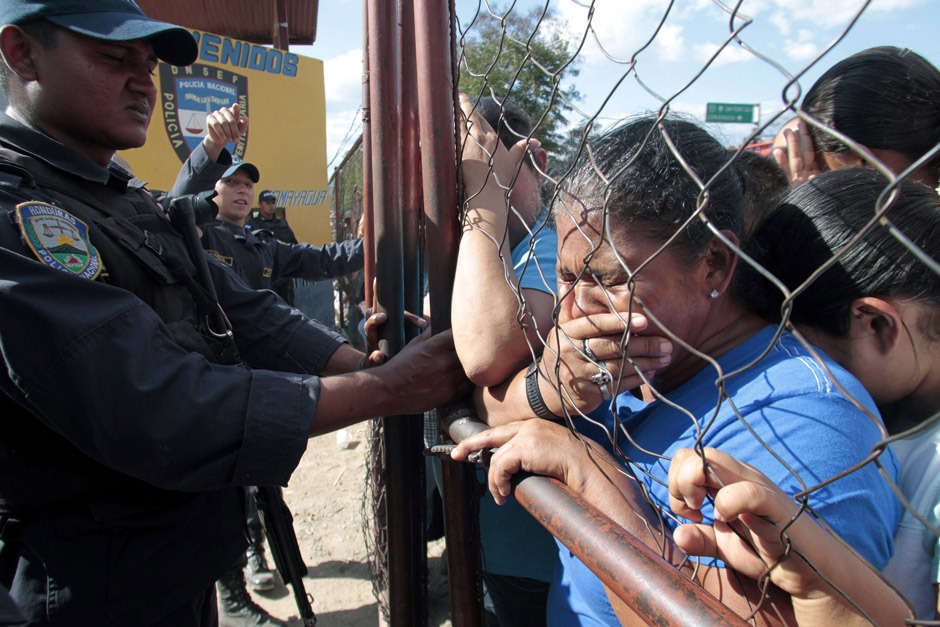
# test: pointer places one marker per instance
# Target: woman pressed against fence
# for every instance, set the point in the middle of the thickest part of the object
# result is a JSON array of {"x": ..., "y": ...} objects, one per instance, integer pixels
[{"x": 643, "y": 254}]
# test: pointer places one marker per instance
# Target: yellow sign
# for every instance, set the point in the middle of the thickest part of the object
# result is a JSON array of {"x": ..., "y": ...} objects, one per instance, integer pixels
[{"x": 282, "y": 95}]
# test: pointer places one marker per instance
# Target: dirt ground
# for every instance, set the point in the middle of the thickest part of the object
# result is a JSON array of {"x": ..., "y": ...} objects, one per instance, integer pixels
[{"x": 325, "y": 496}]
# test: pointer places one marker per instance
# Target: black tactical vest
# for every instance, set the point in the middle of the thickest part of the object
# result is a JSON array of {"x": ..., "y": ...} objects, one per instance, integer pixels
[{"x": 142, "y": 254}]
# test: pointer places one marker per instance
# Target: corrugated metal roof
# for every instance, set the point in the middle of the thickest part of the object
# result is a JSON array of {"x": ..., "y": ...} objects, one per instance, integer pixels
[{"x": 248, "y": 20}]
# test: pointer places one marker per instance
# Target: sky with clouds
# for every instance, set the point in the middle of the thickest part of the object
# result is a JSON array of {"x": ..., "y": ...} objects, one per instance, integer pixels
[{"x": 785, "y": 33}]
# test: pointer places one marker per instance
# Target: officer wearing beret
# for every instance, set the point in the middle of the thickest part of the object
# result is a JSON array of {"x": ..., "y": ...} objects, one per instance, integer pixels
[
  {"x": 269, "y": 222},
  {"x": 122, "y": 435}
]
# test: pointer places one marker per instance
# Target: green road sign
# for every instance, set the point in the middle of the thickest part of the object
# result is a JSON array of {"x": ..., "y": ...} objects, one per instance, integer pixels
[{"x": 727, "y": 112}]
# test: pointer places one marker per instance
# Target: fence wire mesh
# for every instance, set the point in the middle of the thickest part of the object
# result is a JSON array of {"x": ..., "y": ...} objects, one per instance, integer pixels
[
  {"x": 346, "y": 192},
  {"x": 642, "y": 221},
  {"x": 373, "y": 513}
]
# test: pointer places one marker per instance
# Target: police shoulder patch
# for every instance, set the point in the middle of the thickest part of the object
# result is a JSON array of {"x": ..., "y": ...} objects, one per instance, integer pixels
[{"x": 58, "y": 239}]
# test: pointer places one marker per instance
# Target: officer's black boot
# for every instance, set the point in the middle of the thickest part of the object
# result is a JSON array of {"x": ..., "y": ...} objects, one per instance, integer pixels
[
  {"x": 236, "y": 609},
  {"x": 260, "y": 577}
]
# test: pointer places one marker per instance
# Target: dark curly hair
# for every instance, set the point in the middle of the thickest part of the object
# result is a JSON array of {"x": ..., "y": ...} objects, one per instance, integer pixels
[{"x": 648, "y": 189}]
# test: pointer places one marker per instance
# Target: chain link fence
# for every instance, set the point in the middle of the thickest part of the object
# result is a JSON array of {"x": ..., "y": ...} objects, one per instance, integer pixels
[
  {"x": 638, "y": 204},
  {"x": 346, "y": 192},
  {"x": 669, "y": 230}
]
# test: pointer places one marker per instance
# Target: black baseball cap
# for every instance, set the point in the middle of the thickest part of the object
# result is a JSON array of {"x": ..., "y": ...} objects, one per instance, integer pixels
[
  {"x": 267, "y": 196},
  {"x": 110, "y": 20},
  {"x": 250, "y": 169}
]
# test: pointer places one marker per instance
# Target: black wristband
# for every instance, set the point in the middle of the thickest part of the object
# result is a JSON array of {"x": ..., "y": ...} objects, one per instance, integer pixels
[{"x": 534, "y": 395}]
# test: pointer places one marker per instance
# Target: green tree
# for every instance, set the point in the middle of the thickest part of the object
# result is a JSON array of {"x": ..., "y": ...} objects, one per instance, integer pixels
[{"x": 526, "y": 61}]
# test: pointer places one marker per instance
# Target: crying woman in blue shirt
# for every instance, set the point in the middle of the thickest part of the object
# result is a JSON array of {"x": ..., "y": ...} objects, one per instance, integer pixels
[{"x": 643, "y": 252}]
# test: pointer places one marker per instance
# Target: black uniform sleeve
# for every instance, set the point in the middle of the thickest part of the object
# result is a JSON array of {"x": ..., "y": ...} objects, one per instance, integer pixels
[
  {"x": 304, "y": 261},
  {"x": 200, "y": 173},
  {"x": 269, "y": 333},
  {"x": 98, "y": 366},
  {"x": 288, "y": 235}
]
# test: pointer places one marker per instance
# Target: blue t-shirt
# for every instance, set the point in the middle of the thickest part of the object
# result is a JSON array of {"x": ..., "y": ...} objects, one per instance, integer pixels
[
  {"x": 535, "y": 264},
  {"x": 795, "y": 408},
  {"x": 514, "y": 543}
]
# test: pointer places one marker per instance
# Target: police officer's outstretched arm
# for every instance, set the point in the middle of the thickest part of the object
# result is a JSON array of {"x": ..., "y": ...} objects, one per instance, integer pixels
[
  {"x": 121, "y": 362},
  {"x": 315, "y": 263},
  {"x": 425, "y": 374}
]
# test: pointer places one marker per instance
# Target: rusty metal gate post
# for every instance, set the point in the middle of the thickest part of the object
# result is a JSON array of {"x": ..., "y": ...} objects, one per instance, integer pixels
[
  {"x": 433, "y": 54},
  {"x": 367, "y": 206},
  {"x": 401, "y": 435}
]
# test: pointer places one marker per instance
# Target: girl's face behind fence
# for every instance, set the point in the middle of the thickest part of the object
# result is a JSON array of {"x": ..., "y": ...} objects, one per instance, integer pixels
[
  {"x": 669, "y": 288},
  {"x": 890, "y": 349}
]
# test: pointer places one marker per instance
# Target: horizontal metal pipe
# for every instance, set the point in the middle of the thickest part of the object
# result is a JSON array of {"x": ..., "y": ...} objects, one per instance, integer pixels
[
  {"x": 640, "y": 577},
  {"x": 650, "y": 585}
]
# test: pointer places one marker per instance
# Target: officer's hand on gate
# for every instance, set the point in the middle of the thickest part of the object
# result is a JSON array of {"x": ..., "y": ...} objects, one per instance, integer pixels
[
  {"x": 427, "y": 374},
  {"x": 371, "y": 333}
]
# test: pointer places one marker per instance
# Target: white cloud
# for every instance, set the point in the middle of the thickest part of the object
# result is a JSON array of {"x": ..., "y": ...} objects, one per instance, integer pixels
[
  {"x": 342, "y": 77},
  {"x": 800, "y": 51},
  {"x": 829, "y": 14},
  {"x": 803, "y": 47},
  {"x": 804, "y": 34},
  {"x": 338, "y": 124},
  {"x": 621, "y": 27},
  {"x": 670, "y": 44},
  {"x": 731, "y": 53},
  {"x": 782, "y": 22},
  {"x": 342, "y": 83}
]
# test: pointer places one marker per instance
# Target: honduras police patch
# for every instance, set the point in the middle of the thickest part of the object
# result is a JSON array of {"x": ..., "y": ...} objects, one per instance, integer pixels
[{"x": 58, "y": 239}]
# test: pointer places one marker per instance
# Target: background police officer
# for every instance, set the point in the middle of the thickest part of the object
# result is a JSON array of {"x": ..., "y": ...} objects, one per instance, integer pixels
[{"x": 268, "y": 220}]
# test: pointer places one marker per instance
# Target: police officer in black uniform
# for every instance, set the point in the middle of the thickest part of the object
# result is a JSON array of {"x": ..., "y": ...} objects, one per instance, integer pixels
[
  {"x": 268, "y": 220},
  {"x": 264, "y": 262},
  {"x": 258, "y": 257},
  {"x": 122, "y": 433}
]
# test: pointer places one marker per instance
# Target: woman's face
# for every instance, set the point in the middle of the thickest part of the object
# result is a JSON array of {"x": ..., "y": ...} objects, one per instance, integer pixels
[{"x": 668, "y": 287}]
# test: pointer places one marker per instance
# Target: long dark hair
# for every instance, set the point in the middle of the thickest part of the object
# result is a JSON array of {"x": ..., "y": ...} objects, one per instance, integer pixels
[
  {"x": 820, "y": 218},
  {"x": 647, "y": 188},
  {"x": 884, "y": 98}
]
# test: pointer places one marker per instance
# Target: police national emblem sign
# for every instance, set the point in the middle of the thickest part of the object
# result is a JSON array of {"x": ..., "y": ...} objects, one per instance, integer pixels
[
  {"x": 190, "y": 94},
  {"x": 58, "y": 239}
]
